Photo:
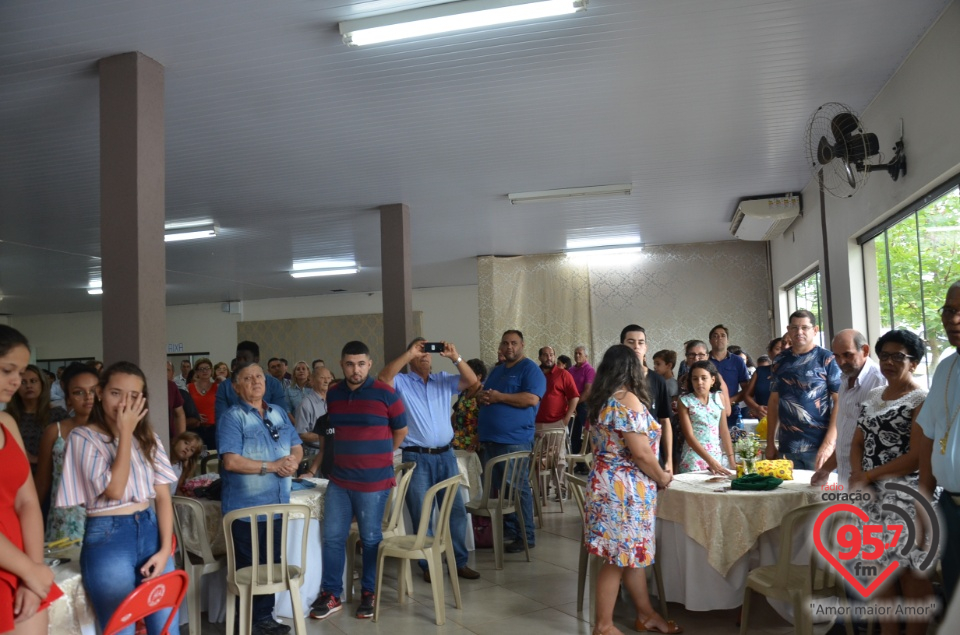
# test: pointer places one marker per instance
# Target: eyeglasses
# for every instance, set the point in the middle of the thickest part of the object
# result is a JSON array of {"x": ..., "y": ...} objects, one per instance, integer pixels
[
  {"x": 948, "y": 312},
  {"x": 897, "y": 357},
  {"x": 793, "y": 328},
  {"x": 203, "y": 369},
  {"x": 696, "y": 355},
  {"x": 272, "y": 429}
]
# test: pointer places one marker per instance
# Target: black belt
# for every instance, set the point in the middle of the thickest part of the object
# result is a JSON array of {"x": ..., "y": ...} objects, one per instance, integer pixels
[{"x": 417, "y": 449}]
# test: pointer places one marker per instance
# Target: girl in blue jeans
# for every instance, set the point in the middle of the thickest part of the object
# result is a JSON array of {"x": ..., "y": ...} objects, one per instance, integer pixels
[{"x": 115, "y": 466}]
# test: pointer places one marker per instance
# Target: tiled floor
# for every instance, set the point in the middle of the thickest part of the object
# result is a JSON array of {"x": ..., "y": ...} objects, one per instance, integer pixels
[{"x": 525, "y": 598}]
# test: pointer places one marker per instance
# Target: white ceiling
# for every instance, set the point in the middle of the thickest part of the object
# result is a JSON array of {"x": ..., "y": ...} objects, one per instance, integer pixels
[{"x": 290, "y": 139}]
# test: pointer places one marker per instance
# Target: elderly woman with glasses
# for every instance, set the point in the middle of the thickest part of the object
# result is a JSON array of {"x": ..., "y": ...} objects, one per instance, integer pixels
[{"x": 885, "y": 450}]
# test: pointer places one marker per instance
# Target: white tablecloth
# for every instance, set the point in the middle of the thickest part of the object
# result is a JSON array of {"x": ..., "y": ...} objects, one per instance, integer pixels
[
  {"x": 72, "y": 614},
  {"x": 744, "y": 534}
]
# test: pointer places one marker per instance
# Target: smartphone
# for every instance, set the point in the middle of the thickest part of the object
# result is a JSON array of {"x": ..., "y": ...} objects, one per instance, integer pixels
[{"x": 433, "y": 347}]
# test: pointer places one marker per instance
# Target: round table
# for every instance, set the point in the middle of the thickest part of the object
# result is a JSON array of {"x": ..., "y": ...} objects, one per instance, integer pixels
[{"x": 709, "y": 536}]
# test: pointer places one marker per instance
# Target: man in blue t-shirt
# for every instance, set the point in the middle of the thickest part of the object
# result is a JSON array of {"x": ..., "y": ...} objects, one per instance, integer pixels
[
  {"x": 508, "y": 408},
  {"x": 804, "y": 394},
  {"x": 731, "y": 367}
]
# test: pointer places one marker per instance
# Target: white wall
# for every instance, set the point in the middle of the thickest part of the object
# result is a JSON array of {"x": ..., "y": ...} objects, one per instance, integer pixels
[
  {"x": 925, "y": 93},
  {"x": 449, "y": 313}
]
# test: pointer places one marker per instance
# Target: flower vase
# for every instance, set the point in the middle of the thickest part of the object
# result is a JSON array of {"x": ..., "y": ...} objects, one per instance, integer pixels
[{"x": 749, "y": 466}]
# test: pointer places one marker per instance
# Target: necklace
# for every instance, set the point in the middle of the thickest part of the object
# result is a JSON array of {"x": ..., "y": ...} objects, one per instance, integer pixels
[{"x": 946, "y": 407}]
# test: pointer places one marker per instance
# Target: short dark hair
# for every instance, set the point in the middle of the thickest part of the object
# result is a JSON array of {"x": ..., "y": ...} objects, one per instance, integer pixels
[
  {"x": 354, "y": 347},
  {"x": 773, "y": 343},
  {"x": 908, "y": 339},
  {"x": 273, "y": 359},
  {"x": 250, "y": 347},
  {"x": 515, "y": 332},
  {"x": 667, "y": 356},
  {"x": 478, "y": 367},
  {"x": 720, "y": 326},
  {"x": 314, "y": 362},
  {"x": 736, "y": 349},
  {"x": 628, "y": 328},
  {"x": 285, "y": 362},
  {"x": 563, "y": 359},
  {"x": 415, "y": 340},
  {"x": 803, "y": 313}
]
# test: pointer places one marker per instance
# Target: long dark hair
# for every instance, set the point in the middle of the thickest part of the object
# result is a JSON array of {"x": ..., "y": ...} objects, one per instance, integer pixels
[
  {"x": 143, "y": 433},
  {"x": 11, "y": 338},
  {"x": 16, "y": 408},
  {"x": 619, "y": 368},
  {"x": 708, "y": 366}
]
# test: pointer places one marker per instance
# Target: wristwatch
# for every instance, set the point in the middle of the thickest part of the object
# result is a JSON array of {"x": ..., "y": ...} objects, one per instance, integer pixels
[
  {"x": 263, "y": 468},
  {"x": 458, "y": 360}
]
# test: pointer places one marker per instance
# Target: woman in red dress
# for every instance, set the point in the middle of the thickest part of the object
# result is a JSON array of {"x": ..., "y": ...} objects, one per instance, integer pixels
[{"x": 26, "y": 583}]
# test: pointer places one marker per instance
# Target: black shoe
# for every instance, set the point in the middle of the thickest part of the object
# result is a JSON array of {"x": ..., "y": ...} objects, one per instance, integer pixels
[
  {"x": 426, "y": 576},
  {"x": 516, "y": 546},
  {"x": 365, "y": 610},
  {"x": 269, "y": 626},
  {"x": 325, "y": 606}
]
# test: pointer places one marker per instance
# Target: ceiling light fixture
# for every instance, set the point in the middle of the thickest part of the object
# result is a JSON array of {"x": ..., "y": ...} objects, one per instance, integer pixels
[
  {"x": 622, "y": 189},
  {"x": 451, "y": 16},
  {"x": 605, "y": 251},
  {"x": 95, "y": 288},
  {"x": 191, "y": 230},
  {"x": 313, "y": 273}
]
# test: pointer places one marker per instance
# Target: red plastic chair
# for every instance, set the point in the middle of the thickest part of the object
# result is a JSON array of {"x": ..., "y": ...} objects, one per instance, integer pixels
[{"x": 163, "y": 592}]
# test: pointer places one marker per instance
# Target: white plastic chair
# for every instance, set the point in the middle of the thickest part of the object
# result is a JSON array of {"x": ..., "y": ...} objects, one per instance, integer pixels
[
  {"x": 546, "y": 467},
  {"x": 193, "y": 543},
  {"x": 424, "y": 547},
  {"x": 798, "y": 583},
  {"x": 392, "y": 525},
  {"x": 508, "y": 501},
  {"x": 276, "y": 576}
]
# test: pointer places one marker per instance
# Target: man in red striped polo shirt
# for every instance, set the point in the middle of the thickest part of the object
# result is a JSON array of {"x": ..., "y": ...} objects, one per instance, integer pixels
[{"x": 369, "y": 423}]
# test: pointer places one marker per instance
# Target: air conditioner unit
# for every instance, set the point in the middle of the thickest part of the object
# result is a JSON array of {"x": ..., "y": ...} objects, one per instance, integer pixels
[{"x": 764, "y": 218}]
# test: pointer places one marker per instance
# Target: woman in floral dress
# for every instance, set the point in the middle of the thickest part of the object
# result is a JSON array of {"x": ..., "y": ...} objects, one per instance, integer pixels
[
  {"x": 621, "y": 503},
  {"x": 465, "y": 412},
  {"x": 882, "y": 452}
]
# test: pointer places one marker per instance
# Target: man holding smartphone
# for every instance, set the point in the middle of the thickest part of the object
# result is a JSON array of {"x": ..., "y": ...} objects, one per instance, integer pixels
[{"x": 426, "y": 396}]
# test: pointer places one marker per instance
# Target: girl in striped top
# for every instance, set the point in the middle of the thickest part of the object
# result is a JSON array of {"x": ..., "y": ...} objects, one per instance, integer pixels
[{"x": 114, "y": 467}]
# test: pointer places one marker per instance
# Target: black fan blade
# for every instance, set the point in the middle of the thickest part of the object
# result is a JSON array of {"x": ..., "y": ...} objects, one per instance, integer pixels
[
  {"x": 859, "y": 147},
  {"x": 824, "y": 152},
  {"x": 844, "y": 125}
]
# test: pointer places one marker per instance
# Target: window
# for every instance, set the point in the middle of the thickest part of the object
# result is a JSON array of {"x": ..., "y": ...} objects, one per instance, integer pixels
[
  {"x": 909, "y": 265},
  {"x": 805, "y": 294}
]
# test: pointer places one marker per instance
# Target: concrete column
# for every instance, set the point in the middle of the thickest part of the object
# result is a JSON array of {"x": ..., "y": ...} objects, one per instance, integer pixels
[
  {"x": 132, "y": 172},
  {"x": 397, "y": 279}
]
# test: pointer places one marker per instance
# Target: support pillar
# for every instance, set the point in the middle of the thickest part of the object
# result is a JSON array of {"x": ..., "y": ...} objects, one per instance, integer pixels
[
  {"x": 397, "y": 280},
  {"x": 132, "y": 173}
]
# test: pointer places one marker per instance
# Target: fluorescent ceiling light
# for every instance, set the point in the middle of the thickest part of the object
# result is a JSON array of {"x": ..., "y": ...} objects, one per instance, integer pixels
[
  {"x": 624, "y": 189},
  {"x": 452, "y": 16},
  {"x": 304, "y": 265},
  {"x": 601, "y": 242},
  {"x": 96, "y": 287},
  {"x": 312, "y": 273},
  {"x": 190, "y": 230},
  {"x": 605, "y": 251}
]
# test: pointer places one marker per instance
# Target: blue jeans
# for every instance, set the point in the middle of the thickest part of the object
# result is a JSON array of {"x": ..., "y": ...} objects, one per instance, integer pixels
[
  {"x": 802, "y": 460},
  {"x": 432, "y": 469},
  {"x": 340, "y": 506},
  {"x": 511, "y": 526},
  {"x": 114, "y": 549},
  {"x": 262, "y": 605}
]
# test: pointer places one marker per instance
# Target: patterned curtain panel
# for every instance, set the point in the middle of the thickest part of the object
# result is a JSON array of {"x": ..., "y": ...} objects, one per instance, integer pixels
[
  {"x": 318, "y": 337},
  {"x": 545, "y": 296},
  {"x": 676, "y": 292}
]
